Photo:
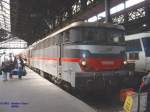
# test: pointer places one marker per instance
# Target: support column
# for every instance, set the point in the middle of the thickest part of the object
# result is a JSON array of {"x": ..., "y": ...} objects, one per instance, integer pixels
[
  {"x": 147, "y": 13},
  {"x": 126, "y": 16},
  {"x": 69, "y": 12},
  {"x": 83, "y": 4},
  {"x": 107, "y": 10},
  {"x": 124, "y": 2}
]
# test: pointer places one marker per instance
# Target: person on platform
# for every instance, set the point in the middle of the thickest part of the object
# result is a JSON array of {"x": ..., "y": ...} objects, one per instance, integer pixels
[
  {"x": 5, "y": 65},
  {"x": 19, "y": 65},
  {"x": 146, "y": 88}
]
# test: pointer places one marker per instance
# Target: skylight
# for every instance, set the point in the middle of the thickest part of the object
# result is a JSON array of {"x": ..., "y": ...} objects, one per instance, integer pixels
[
  {"x": 5, "y": 15},
  {"x": 115, "y": 9}
]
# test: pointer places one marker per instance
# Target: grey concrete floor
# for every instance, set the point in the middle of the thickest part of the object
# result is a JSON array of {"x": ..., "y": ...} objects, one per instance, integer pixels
[{"x": 35, "y": 94}]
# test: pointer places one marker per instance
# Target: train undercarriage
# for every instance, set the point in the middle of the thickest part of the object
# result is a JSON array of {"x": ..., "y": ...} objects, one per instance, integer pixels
[{"x": 97, "y": 82}]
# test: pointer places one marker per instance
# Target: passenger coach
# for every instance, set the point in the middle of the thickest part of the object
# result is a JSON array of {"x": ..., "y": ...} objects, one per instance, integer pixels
[{"x": 138, "y": 50}]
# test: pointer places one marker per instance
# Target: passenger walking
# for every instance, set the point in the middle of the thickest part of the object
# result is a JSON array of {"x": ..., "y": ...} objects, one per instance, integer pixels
[
  {"x": 19, "y": 62},
  {"x": 19, "y": 65},
  {"x": 12, "y": 64},
  {"x": 5, "y": 65}
]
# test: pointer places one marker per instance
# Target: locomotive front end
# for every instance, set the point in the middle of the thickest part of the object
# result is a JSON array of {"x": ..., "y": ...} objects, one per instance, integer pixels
[
  {"x": 102, "y": 59},
  {"x": 105, "y": 71}
]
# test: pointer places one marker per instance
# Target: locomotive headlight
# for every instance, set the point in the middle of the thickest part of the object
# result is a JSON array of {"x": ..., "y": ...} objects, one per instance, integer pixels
[
  {"x": 125, "y": 62},
  {"x": 83, "y": 63}
]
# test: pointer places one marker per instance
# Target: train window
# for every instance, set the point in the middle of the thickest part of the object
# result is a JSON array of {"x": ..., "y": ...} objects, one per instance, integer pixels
[
  {"x": 39, "y": 46},
  {"x": 49, "y": 41},
  {"x": 53, "y": 40},
  {"x": 146, "y": 43},
  {"x": 133, "y": 56},
  {"x": 93, "y": 35},
  {"x": 84, "y": 35},
  {"x": 96, "y": 35},
  {"x": 66, "y": 36},
  {"x": 116, "y": 37},
  {"x": 134, "y": 45},
  {"x": 75, "y": 35},
  {"x": 56, "y": 39},
  {"x": 44, "y": 44},
  {"x": 59, "y": 38}
]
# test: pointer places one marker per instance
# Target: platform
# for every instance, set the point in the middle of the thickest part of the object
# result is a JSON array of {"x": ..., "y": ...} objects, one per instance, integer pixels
[{"x": 35, "y": 94}]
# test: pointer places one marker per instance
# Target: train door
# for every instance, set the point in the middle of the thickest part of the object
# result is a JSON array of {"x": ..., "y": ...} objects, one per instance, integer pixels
[
  {"x": 135, "y": 53},
  {"x": 146, "y": 45},
  {"x": 67, "y": 71},
  {"x": 59, "y": 56}
]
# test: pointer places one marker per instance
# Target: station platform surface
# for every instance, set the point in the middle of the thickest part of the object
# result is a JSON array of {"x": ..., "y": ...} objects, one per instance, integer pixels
[{"x": 35, "y": 94}]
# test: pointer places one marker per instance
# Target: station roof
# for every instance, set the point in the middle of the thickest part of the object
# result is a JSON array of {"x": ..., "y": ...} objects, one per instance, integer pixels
[
  {"x": 5, "y": 26},
  {"x": 28, "y": 17}
]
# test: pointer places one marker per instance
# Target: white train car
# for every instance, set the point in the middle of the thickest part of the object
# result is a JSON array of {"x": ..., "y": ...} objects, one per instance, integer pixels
[{"x": 138, "y": 51}]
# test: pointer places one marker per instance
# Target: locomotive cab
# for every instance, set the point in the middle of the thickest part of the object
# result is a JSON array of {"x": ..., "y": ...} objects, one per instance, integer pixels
[{"x": 100, "y": 48}]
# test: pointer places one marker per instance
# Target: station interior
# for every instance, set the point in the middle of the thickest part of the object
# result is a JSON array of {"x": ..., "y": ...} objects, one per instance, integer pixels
[{"x": 74, "y": 55}]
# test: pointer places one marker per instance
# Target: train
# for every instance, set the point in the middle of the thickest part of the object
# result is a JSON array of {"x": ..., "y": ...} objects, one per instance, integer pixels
[
  {"x": 138, "y": 51},
  {"x": 86, "y": 56}
]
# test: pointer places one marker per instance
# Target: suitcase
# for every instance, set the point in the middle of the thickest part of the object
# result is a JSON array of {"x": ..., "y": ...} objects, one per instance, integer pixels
[{"x": 19, "y": 72}]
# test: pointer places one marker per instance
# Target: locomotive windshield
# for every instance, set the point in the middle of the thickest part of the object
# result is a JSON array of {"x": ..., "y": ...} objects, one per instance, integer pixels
[{"x": 97, "y": 35}]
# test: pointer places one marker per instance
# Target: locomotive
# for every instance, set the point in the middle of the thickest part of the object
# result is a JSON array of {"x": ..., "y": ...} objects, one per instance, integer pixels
[{"x": 86, "y": 56}]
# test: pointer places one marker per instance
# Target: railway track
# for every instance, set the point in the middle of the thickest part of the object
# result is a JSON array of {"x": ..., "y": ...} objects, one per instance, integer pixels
[{"x": 102, "y": 103}]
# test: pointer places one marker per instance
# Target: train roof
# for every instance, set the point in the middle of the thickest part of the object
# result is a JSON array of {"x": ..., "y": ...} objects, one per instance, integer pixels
[
  {"x": 137, "y": 36},
  {"x": 83, "y": 24}
]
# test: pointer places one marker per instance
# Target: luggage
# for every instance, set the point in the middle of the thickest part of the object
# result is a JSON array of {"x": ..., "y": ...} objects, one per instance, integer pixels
[
  {"x": 19, "y": 72},
  {"x": 131, "y": 102}
]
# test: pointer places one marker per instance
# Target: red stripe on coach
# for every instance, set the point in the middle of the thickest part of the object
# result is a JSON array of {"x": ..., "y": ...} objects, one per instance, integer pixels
[{"x": 62, "y": 59}]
